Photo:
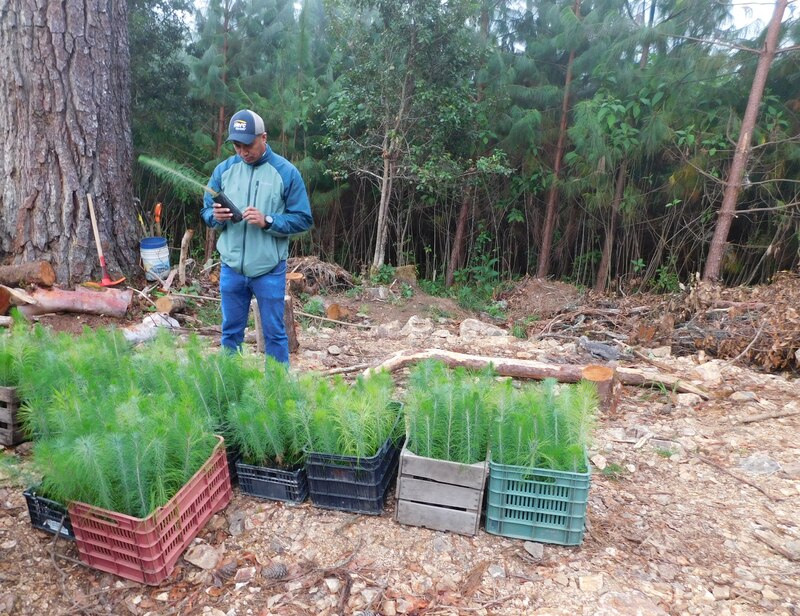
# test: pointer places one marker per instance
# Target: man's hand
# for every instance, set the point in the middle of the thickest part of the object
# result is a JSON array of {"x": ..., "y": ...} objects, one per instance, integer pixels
[
  {"x": 253, "y": 217},
  {"x": 221, "y": 214}
]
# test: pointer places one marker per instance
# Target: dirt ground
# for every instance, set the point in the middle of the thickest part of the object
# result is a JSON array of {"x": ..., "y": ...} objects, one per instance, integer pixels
[{"x": 693, "y": 506}]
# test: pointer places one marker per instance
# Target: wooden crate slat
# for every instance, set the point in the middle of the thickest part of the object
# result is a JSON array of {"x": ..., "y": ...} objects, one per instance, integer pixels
[
  {"x": 10, "y": 430},
  {"x": 437, "y": 518},
  {"x": 435, "y": 493},
  {"x": 469, "y": 475}
]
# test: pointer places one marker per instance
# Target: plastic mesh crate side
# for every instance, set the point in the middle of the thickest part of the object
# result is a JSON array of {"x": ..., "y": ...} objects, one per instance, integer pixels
[
  {"x": 356, "y": 497},
  {"x": 146, "y": 549},
  {"x": 273, "y": 483},
  {"x": 537, "y": 504},
  {"x": 48, "y": 515},
  {"x": 323, "y": 478}
]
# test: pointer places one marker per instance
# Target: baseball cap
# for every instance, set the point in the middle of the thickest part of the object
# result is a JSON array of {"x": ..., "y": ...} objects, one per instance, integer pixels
[{"x": 245, "y": 126}]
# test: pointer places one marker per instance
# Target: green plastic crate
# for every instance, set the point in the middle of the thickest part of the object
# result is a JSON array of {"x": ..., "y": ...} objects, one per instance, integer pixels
[{"x": 537, "y": 504}]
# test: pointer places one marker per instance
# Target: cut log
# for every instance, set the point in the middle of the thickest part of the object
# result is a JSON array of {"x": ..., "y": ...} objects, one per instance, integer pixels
[
  {"x": 35, "y": 272},
  {"x": 13, "y": 297},
  {"x": 168, "y": 304},
  {"x": 529, "y": 369},
  {"x": 6, "y": 321},
  {"x": 107, "y": 301},
  {"x": 608, "y": 386}
]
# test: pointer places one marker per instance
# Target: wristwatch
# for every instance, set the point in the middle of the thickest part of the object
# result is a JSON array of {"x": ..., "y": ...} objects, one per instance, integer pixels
[{"x": 268, "y": 222}]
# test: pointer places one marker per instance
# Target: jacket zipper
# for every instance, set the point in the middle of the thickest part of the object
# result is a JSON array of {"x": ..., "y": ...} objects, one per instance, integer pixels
[{"x": 244, "y": 235}]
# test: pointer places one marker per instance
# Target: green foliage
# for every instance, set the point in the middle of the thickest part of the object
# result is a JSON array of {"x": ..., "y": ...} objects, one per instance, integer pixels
[
  {"x": 667, "y": 280},
  {"x": 544, "y": 425},
  {"x": 352, "y": 420},
  {"x": 185, "y": 180},
  {"x": 314, "y": 306},
  {"x": 383, "y": 275},
  {"x": 259, "y": 422},
  {"x": 448, "y": 412}
]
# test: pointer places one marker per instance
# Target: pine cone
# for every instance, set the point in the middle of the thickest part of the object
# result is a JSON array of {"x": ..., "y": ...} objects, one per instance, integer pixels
[
  {"x": 275, "y": 571},
  {"x": 228, "y": 570}
]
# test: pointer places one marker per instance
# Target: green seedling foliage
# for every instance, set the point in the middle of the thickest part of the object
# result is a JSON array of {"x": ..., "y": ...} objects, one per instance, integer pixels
[
  {"x": 544, "y": 425},
  {"x": 336, "y": 418},
  {"x": 259, "y": 424},
  {"x": 449, "y": 412}
]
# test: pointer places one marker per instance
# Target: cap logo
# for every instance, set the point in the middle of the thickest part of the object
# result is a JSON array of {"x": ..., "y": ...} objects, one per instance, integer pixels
[{"x": 240, "y": 125}]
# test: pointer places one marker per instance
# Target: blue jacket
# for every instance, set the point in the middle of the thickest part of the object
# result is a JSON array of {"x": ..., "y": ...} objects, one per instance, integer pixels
[{"x": 272, "y": 185}]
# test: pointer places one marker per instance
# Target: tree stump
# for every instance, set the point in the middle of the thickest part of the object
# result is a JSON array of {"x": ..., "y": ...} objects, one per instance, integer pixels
[
  {"x": 608, "y": 386},
  {"x": 295, "y": 282}
]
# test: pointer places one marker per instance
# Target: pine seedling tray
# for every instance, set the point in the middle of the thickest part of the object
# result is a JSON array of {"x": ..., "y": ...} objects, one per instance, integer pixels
[
  {"x": 146, "y": 549},
  {"x": 536, "y": 504},
  {"x": 440, "y": 494},
  {"x": 11, "y": 431}
]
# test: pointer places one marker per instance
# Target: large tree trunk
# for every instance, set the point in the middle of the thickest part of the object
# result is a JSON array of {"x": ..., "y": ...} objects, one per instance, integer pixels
[
  {"x": 552, "y": 195},
  {"x": 65, "y": 121},
  {"x": 734, "y": 183}
]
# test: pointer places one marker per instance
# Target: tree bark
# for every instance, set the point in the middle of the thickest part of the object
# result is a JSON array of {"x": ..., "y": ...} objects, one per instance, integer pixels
[
  {"x": 457, "y": 254},
  {"x": 734, "y": 184},
  {"x": 552, "y": 195},
  {"x": 38, "y": 272},
  {"x": 65, "y": 121},
  {"x": 608, "y": 245},
  {"x": 109, "y": 302}
]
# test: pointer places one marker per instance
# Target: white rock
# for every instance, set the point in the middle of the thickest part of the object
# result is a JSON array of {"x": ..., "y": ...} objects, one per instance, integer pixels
[
  {"x": 689, "y": 400},
  {"x": 496, "y": 571},
  {"x": 591, "y": 583},
  {"x": 441, "y": 333},
  {"x": 710, "y": 372},
  {"x": 721, "y": 593},
  {"x": 536, "y": 550},
  {"x": 662, "y": 352},
  {"x": 599, "y": 461},
  {"x": 743, "y": 396},
  {"x": 334, "y": 584},
  {"x": 417, "y": 327},
  {"x": 203, "y": 555},
  {"x": 472, "y": 328},
  {"x": 334, "y": 350}
]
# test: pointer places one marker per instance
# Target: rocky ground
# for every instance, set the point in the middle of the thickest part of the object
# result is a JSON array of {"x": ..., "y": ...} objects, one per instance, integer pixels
[{"x": 693, "y": 507}]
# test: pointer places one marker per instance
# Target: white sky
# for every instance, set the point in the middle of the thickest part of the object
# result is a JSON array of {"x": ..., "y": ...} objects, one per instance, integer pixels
[{"x": 758, "y": 14}]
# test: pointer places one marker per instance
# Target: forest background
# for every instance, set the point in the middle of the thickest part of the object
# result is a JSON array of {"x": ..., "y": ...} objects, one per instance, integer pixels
[{"x": 482, "y": 140}]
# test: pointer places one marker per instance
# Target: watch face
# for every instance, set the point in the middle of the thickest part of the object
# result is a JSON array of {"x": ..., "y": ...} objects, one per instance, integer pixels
[{"x": 268, "y": 219}]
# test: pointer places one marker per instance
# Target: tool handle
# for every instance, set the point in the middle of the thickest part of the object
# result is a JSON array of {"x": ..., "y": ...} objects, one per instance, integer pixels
[{"x": 94, "y": 227}]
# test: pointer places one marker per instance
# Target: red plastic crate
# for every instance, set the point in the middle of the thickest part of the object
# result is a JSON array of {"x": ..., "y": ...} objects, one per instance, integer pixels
[{"x": 147, "y": 549}]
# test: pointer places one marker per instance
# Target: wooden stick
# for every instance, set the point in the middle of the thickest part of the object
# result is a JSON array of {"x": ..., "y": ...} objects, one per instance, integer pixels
[
  {"x": 786, "y": 412},
  {"x": 314, "y": 316},
  {"x": 767, "y": 538},
  {"x": 752, "y": 484},
  {"x": 187, "y": 239}
]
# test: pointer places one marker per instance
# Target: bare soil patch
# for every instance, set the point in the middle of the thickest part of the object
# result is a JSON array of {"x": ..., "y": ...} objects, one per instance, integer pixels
[{"x": 680, "y": 517}]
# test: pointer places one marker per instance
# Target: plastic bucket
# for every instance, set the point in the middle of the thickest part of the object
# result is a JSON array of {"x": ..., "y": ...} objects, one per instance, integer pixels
[{"x": 155, "y": 257}]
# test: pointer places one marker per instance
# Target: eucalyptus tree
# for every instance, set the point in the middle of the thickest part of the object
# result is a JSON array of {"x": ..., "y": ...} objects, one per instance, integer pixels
[{"x": 65, "y": 121}]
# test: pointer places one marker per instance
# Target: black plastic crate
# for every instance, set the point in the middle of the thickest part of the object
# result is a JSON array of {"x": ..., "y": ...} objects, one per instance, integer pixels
[
  {"x": 348, "y": 483},
  {"x": 48, "y": 515},
  {"x": 233, "y": 456},
  {"x": 10, "y": 429},
  {"x": 273, "y": 483}
]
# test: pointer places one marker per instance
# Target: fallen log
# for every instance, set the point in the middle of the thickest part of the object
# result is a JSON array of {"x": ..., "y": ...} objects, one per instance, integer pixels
[
  {"x": 167, "y": 304},
  {"x": 34, "y": 272},
  {"x": 529, "y": 369},
  {"x": 12, "y": 297},
  {"x": 107, "y": 301}
]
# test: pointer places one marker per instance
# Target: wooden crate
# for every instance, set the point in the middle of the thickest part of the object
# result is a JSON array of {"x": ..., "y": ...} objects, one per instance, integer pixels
[
  {"x": 439, "y": 494},
  {"x": 10, "y": 429}
]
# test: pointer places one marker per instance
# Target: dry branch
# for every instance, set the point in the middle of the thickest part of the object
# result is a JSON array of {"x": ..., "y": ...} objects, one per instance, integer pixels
[
  {"x": 185, "y": 242},
  {"x": 529, "y": 369}
]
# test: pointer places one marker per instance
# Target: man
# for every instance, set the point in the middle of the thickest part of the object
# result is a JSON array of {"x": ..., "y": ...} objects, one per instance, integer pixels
[{"x": 271, "y": 195}]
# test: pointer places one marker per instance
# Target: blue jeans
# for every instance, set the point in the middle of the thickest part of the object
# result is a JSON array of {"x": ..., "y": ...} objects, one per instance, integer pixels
[{"x": 236, "y": 291}]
